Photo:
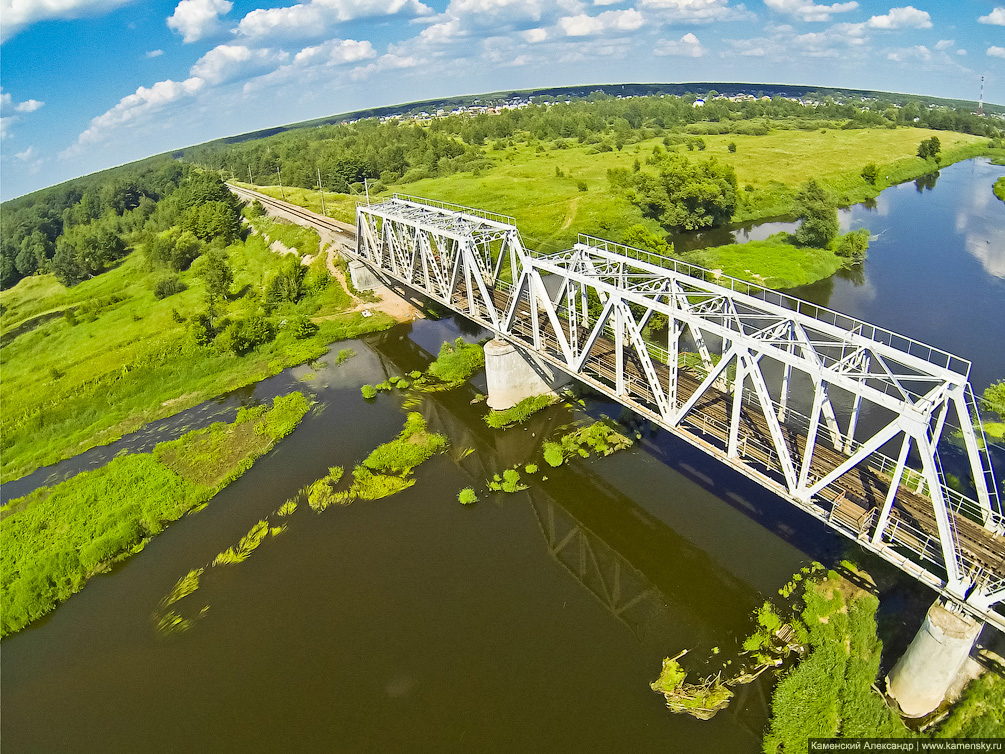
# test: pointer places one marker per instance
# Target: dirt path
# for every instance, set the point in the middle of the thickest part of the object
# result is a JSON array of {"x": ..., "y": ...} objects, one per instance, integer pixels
[{"x": 570, "y": 213}]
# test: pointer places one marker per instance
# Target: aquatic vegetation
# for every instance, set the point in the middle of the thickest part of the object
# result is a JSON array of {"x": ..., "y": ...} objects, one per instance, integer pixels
[
  {"x": 369, "y": 392},
  {"x": 411, "y": 447},
  {"x": 51, "y": 541},
  {"x": 344, "y": 355},
  {"x": 603, "y": 437},
  {"x": 369, "y": 486},
  {"x": 398, "y": 457},
  {"x": 520, "y": 412},
  {"x": 700, "y": 700},
  {"x": 530, "y": 468},
  {"x": 248, "y": 544},
  {"x": 172, "y": 623},
  {"x": 508, "y": 482},
  {"x": 467, "y": 496},
  {"x": 456, "y": 362},
  {"x": 321, "y": 493},
  {"x": 186, "y": 585}
]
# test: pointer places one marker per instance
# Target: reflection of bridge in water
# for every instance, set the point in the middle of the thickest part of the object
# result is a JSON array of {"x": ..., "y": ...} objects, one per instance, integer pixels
[
  {"x": 637, "y": 568},
  {"x": 861, "y": 453}
]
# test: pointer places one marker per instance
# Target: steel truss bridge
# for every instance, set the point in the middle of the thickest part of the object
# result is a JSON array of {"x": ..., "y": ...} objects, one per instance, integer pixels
[{"x": 839, "y": 417}]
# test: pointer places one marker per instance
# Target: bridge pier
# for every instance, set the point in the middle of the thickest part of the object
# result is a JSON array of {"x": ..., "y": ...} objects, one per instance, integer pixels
[
  {"x": 511, "y": 375},
  {"x": 362, "y": 277},
  {"x": 922, "y": 677}
]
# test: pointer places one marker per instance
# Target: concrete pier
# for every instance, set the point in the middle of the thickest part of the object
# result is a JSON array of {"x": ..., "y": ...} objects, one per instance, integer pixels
[
  {"x": 920, "y": 680},
  {"x": 362, "y": 277},
  {"x": 512, "y": 376}
]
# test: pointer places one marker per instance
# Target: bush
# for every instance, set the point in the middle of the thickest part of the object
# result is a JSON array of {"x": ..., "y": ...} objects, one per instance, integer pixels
[
  {"x": 247, "y": 334},
  {"x": 457, "y": 361},
  {"x": 301, "y": 327},
  {"x": 870, "y": 172},
  {"x": 853, "y": 245},
  {"x": 731, "y": 146},
  {"x": 168, "y": 285}
]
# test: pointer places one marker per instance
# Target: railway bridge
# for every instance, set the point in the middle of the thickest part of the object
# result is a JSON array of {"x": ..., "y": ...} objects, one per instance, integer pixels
[{"x": 839, "y": 417}]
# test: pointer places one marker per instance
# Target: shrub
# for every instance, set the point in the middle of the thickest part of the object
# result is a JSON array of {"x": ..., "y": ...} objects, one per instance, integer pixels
[
  {"x": 854, "y": 245},
  {"x": 168, "y": 285},
  {"x": 870, "y": 172},
  {"x": 245, "y": 335},
  {"x": 731, "y": 146},
  {"x": 301, "y": 327}
]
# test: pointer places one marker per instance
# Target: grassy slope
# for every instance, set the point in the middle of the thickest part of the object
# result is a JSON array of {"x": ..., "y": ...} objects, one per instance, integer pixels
[
  {"x": 999, "y": 189},
  {"x": 56, "y": 538},
  {"x": 68, "y": 388}
]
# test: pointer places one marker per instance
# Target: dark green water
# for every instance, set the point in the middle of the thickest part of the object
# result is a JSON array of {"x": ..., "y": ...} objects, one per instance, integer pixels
[{"x": 527, "y": 622}]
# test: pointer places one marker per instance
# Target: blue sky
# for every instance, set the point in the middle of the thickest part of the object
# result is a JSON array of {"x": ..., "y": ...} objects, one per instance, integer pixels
[{"x": 88, "y": 84}]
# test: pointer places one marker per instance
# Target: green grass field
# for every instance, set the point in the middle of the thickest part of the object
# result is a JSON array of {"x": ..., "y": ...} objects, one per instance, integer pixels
[
  {"x": 126, "y": 358},
  {"x": 550, "y": 209}
]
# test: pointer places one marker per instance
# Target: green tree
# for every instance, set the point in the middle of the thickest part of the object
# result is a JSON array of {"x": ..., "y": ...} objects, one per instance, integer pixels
[
  {"x": 819, "y": 216},
  {"x": 687, "y": 194},
  {"x": 216, "y": 272},
  {"x": 870, "y": 172}
]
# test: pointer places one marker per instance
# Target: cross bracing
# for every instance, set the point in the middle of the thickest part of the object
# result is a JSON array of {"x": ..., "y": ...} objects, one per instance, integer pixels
[{"x": 840, "y": 417}]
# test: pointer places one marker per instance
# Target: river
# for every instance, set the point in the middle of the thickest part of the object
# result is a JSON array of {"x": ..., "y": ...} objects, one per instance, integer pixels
[{"x": 530, "y": 621}]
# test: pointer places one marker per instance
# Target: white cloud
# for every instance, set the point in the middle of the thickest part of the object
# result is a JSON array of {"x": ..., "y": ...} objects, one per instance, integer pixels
[
  {"x": 29, "y": 106},
  {"x": 944, "y": 44},
  {"x": 996, "y": 52},
  {"x": 918, "y": 53},
  {"x": 195, "y": 19},
  {"x": 227, "y": 62},
  {"x": 995, "y": 17},
  {"x": 611, "y": 20},
  {"x": 293, "y": 20},
  {"x": 315, "y": 17},
  {"x": 335, "y": 52},
  {"x": 19, "y": 14},
  {"x": 131, "y": 107},
  {"x": 961, "y": 52},
  {"x": 908, "y": 17},
  {"x": 533, "y": 36},
  {"x": 687, "y": 46},
  {"x": 10, "y": 112},
  {"x": 697, "y": 11},
  {"x": 807, "y": 10},
  {"x": 27, "y": 155},
  {"x": 154, "y": 53}
]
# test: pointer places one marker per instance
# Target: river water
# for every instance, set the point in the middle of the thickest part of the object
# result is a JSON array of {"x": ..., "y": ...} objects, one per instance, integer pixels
[{"x": 530, "y": 621}]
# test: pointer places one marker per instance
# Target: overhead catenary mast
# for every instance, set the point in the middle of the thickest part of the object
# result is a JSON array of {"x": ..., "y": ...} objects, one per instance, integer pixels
[{"x": 980, "y": 103}]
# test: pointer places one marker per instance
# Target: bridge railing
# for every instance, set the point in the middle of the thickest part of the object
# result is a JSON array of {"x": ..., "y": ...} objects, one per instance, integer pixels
[
  {"x": 845, "y": 322},
  {"x": 483, "y": 214}
]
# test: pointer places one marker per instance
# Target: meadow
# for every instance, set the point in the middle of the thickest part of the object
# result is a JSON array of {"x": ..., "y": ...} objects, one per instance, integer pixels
[
  {"x": 555, "y": 190},
  {"x": 109, "y": 356}
]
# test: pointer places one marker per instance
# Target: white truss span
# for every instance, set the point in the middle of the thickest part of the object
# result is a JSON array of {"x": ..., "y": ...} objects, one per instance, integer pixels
[{"x": 839, "y": 417}]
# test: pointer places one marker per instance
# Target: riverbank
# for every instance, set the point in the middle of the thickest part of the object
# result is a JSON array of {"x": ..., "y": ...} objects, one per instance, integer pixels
[
  {"x": 123, "y": 357},
  {"x": 56, "y": 538}
]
